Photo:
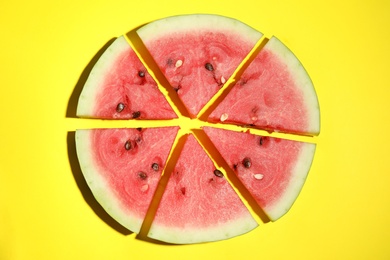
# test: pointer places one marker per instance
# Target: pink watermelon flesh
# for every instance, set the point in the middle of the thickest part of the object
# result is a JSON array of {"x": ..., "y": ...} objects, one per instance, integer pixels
[
  {"x": 198, "y": 204},
  {"x": 122, "y": 168},
  {"x": 120, "y": 87},
  {"x": 274, "y": 93},
  {"x": 198, "y": 53},
  {"x": 273, "y": 170}
]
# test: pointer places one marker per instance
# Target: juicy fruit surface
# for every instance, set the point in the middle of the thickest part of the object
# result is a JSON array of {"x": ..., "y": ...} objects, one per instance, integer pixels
[
  {"x": 268, "y": 96},
  {"x": 128, "y": 162},
  {"x": 125, "y": 90},
  {"x": 197, "y": 62},
  {"x": 198, "y": 203},
  {"x": 271, "y": 168},
  {"x": 197, "y": 54}
]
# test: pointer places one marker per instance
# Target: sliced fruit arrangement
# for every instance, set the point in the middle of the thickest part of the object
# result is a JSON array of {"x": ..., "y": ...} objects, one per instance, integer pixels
[
  {"x": 197, "y": 54},
  {"x": 198, "y": 204}
]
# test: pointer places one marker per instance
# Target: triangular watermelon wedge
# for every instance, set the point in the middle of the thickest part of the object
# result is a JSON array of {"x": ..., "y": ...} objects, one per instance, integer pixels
[
  {"x": 272, "y": 169},
  {"x": 274, "y": 93},
  {"x": 198, "y": 204},
  {"x": 198, "y": 53},
  {"x": 120, "y": 87},
  {"x": 122, "y": 167}
]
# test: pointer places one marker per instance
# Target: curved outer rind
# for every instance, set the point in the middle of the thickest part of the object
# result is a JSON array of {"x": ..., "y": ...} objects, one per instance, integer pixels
[
  {"x": 302, "y": 79},
  {"x": 220, "y": 219},
  {"x": 99, "y": 72},
  {"x": 99, "y": 187},
  {"x": 191, "y": 235},
  {"x": 184, "y": 23},
  {"x": 279, "y": 203},
  {"x": 298, "y": 178}
]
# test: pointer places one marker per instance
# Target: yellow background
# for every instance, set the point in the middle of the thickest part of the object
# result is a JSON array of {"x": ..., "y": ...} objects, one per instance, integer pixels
[{"x": 45, "y": 209}]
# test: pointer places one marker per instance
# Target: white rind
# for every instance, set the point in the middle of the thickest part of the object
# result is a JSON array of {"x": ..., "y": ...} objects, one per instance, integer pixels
[
  {"x": 197, "y": 23},
  {"x": 302, "y": 79},
  {"x": 298, "y": 178},
  {"x": 193, "y": 235},
  {"x": 98, "y": 74},
  {"x": 101, "y": 191}
]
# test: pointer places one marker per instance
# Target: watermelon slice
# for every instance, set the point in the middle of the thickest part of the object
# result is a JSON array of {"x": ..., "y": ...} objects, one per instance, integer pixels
[
  {"x": 272, "y": 169},
  {"x": 198, "y": 53},
  {"x": 120, "y": 87},
  {"x": 122, "y": 168},
  {"x": 198, "y": 204},
  {"x": 274, "y": 93}
]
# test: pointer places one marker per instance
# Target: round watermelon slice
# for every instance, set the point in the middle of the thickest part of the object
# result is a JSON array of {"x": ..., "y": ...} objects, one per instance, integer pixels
[
  {"x": 120, "y": 87},
  {"x": 198, "y": 53},
  {"x": 272, "y": 169},
  {"x": 122, "y": 168},
  {"x": 198, "y": 204},
  {"x": 274, "y": 93}
]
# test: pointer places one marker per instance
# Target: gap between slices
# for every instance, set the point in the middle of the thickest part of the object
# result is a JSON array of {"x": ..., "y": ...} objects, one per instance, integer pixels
[
  {"x": 194, "y": 126},
  {"x": 119, "y": 87},
  {"x": 206, "y": 206},
  {"x": 273, "y": 170},
  {"x": 197, "y": 53},
  {"x": 202, "y": 118},
  {"x": 231, "y": 177},
  {"x": 169, "y": 166},
  {"x": 273, "y": 93},
  {"x": 135, "y": 41},
  {"x": 221, "y": 94}
]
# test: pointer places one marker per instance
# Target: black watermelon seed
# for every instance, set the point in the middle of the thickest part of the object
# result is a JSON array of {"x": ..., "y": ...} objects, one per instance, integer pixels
[
  {"x": 209, "y": 67},
  {"x": 262, "y": 140},
  {"x": 155, "y": 166},
  {"x": 183, "y": 190},
  {"x": 139, "y": 129},
  {"x": 142, "y": 175},
  {"x": 141, "y": 73},
  {"x": 128, "y": 145},
  {"x": 120, "y": 107},
  {"x": 247, "y": 162},
  {"x": 218, "y": 173},
  {"x": 136, "y": 114}
]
